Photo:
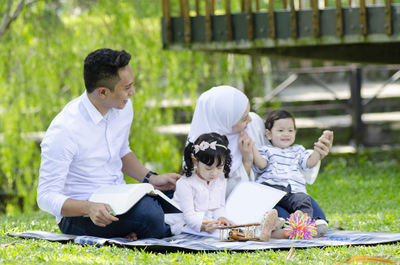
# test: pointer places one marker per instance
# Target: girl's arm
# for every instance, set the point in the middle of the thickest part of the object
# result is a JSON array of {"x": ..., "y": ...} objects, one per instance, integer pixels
[
  {"x": 184, "y": 194},
  {"x": 259, "y": 161}
]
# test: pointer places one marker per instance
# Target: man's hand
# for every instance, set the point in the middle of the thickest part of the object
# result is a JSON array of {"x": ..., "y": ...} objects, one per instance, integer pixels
[
  {"x": 100, "y": 214},
  {"x": 165, "y": 181}
]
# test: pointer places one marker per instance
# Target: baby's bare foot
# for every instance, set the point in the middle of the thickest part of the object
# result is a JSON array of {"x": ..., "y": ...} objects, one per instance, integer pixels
[{"x": 268, "y": 224}]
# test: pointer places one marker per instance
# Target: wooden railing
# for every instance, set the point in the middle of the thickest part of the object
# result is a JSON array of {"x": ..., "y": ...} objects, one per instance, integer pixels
[{"x": 251, "y": 6}]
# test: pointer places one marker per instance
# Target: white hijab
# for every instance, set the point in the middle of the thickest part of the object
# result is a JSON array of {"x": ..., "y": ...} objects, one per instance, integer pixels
[{"x": 218, "y": 110}]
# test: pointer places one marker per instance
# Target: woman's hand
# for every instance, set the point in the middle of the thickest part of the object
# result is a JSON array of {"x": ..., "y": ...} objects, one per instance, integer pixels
[{"x": 246, "y": 148}]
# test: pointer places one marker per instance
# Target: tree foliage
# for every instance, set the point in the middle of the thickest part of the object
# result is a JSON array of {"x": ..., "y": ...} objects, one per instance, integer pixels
[{"x": 41, "y": 56}]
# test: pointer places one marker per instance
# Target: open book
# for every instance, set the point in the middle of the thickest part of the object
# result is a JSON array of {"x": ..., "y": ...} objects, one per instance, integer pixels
[
  {"x": 249, "y": 201},
  {"x": 123, "y": 197}
]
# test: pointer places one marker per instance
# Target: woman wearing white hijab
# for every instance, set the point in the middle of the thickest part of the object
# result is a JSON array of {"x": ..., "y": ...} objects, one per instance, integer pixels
[
  {"x": 225, "y": 110},
  {"x": 218, "y": 110}
]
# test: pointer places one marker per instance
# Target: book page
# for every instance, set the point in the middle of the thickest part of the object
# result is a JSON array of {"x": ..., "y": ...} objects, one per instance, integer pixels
[
  {"x": 121, "y": 197},
  {"x": 168, "y": 205},
  {"x": 249, "y": 201}
]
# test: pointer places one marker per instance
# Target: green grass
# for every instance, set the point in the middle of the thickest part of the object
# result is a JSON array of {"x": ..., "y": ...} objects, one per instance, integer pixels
[{"x": 357, "y": 192}]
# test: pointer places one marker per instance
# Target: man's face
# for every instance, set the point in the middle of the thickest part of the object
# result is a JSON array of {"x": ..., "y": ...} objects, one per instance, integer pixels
[{"x": 123, "y": 90}]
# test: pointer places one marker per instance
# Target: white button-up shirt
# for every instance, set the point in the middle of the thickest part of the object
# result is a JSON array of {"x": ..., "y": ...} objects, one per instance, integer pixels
[{"x": 81, "y": 152}]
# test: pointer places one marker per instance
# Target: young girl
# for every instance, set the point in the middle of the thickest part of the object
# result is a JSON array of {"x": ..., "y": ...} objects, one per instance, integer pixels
[
  {"x": 201, "y": 191},
  {"x": 280, "y": 163}
]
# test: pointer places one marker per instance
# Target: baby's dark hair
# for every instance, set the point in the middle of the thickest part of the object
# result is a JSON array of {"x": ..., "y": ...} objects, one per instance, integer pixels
[
  {"x": 277, "y": 115},
  {"x": 221, "y": 153}
]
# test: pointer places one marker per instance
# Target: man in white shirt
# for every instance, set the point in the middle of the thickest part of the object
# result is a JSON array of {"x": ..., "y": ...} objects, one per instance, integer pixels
[{"x": 87, "y": 146}]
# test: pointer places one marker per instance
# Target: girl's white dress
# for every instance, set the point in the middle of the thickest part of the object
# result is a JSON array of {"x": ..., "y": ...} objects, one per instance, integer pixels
[{"x": 199, "y": 202}]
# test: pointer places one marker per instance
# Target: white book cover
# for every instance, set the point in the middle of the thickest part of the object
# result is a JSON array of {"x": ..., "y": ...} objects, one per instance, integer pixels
[
  {"x": 249, "y": 201},
  {"x": 122, "y": 197}
]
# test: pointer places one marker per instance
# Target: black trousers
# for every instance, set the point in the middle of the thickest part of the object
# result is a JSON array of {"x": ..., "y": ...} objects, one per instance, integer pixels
[{"x": 294, "y": 201}]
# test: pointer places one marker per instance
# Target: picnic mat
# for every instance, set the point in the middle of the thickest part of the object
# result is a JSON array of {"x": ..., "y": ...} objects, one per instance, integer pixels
[{"x": 194, "y": 243}]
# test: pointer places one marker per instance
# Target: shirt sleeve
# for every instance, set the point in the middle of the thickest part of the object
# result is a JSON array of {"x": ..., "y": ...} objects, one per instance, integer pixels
[
  {"x": 304, "y": 155},
  {"x": 58, "y": 150},
  {"x": 263, "y": 150},
  {"x": 184, "y": 195}
]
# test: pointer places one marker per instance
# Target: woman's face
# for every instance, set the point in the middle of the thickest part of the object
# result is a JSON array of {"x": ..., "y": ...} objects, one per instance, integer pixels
[{"x": 241, "y": 125}]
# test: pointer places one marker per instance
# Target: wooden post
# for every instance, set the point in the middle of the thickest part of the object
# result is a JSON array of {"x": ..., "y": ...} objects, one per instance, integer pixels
[
  {"x": 186, "y": 20},
  {"x": 388, "y": 17},
  {"x": 257, "y": 5},
  {"x": 212, "y": 7},
  {"x": 356, "y": 105},
  {"x": 208, "y": 21},
  {"x": 271, "y": 19},
  {"x": 339, "y": 18},
  {"x": 228, "y": 19},
  {"x": 284, "y": 4},
  {"x": 293, "y": 20},
  {"x": 363, "y": 18},
  {"x": 249, "y": 17},
  {"x": 315, "y": 18},
  {"x": 197, "y": 7},
  {"x": 181, "y": 7},
  {"x": 166, "y": 8},
  {"x": 242, "y": 5}
]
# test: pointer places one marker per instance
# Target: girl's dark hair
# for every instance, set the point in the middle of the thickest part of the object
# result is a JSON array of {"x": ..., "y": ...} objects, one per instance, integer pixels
[
  {"x": 221, "y": 154},
  {"x": 277, "y": 115}
]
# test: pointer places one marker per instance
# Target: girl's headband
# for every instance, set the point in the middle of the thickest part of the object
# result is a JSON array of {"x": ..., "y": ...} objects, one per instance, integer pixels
[{"x": 205, "y": 145}]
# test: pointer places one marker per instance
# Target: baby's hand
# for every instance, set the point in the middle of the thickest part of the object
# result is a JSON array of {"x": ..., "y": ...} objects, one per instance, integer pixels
[
  {"x": 324, "y": 144},
  {"x": 328, "y": 135}
]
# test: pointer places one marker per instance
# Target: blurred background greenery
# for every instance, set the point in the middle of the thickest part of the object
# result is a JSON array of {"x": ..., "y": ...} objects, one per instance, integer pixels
[{"x": 41, "y": 57}]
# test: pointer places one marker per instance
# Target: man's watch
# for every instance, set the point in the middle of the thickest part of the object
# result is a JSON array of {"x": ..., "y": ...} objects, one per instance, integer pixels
[{"x": 148, "y": 175}]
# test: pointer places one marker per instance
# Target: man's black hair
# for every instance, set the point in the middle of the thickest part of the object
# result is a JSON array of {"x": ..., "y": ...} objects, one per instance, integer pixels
[{"x": 101, "y": 68}]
